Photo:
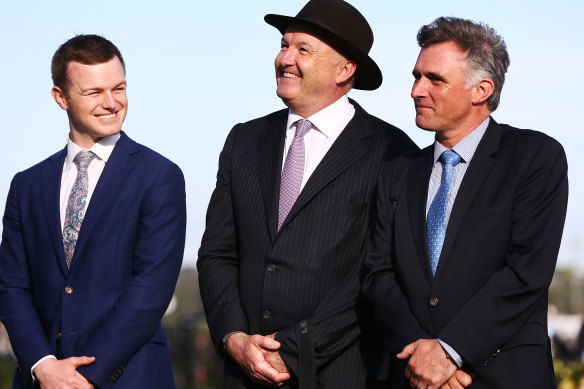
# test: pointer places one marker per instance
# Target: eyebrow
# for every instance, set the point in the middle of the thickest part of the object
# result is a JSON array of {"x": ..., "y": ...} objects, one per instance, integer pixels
[
  {"x": 98, "y": 89},
  {"x": 430, "y": 75},
  {"x": 299, "y": 43}
]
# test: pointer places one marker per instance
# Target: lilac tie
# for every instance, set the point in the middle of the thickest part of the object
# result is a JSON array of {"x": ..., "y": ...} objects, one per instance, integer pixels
[
  {"x": 76, "y": 205},
  {"x": 436, "y": 219},
  {"x": 293, "y": 171}
]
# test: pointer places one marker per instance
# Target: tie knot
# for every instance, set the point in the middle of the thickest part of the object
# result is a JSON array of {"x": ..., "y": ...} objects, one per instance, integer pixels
[
  {"x": 83, "y": 159},
  {"x": 450, "y": 157},
  {"x": 302, "y": 127}
]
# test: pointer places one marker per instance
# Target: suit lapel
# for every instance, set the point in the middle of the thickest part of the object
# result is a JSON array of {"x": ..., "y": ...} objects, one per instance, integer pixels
[
  {"x": 50, "y": 198},
  {"x": 416, "y": 200},
  {"x": 113, "y": 175},
  {"x": 481, "y": 163},
  {"x": 270, "y": 154},
  {"x": 350, "y": 146}
]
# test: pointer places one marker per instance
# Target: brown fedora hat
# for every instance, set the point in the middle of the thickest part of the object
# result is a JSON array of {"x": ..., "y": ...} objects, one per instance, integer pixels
[{"x": 344, "y": 28}]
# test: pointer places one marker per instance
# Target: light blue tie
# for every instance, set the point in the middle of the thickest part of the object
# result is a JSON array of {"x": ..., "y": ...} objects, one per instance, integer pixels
[{"x": 436, "y": 219}]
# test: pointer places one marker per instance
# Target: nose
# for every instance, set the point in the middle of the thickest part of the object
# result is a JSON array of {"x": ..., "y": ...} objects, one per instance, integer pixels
[
  {"x": 108, "y": 101},
  {"x": 418, "y": 89},
  {"x": 285, "y": 57}
]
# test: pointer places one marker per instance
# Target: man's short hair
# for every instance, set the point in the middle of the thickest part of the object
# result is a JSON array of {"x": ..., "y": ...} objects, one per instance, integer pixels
[
  {"x": 86, "y": 49},
  {"x": 487, "y": 53}
]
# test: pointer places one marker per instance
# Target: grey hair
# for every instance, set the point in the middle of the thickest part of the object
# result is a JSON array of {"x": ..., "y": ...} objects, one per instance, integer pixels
[{"x": 487, "y": 53}]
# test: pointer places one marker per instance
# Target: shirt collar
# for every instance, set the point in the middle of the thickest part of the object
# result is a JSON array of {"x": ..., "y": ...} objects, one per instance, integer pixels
[
  {"x": 102, "y": 149},
  {"x": 467, "y": 147},
  {"x": 329, "y": 119}
]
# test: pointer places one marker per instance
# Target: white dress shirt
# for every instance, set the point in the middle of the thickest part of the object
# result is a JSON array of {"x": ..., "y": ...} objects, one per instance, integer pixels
[
  {"x": 102, "y": 150},
  {"x": 466, "y": 148},
  {"x": 327, "y": 125}
]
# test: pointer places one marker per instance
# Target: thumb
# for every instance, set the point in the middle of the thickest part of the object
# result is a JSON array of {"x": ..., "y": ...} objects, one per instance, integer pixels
[
  {"x": 81, "y": 361},
  {"x": 270, "y": 344},
  {"x": 407, "y": 351},
  {"x": 463, "y": 378}
]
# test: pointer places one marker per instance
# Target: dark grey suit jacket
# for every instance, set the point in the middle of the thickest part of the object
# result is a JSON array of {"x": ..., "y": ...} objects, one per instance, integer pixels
[
  {"x": 258, "y": 280},
  {"x": 489, "y": 297}
]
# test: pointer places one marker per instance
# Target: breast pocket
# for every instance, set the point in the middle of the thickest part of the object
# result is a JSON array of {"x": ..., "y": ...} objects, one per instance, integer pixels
[
  {"x": 484, "y": 212},
  {"x": 344, "y": 209}
]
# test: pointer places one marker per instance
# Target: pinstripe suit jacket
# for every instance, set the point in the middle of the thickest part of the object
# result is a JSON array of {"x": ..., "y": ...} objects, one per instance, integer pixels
[{"x": 258, "y": 280}]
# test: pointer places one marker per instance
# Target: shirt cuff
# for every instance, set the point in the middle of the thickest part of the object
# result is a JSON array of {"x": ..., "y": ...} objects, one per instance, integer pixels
[
  {"x": 38, "y": 363},
  {"x": 456, "y": 358},
  {"x": 223, "y": 347}
]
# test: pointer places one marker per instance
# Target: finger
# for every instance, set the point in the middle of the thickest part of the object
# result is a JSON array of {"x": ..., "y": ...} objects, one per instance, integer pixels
[
  {"x": 463, "y": 378},
  {"x": 406, "y": 352},
  {"x": 265, "y": 342},
  {"x": 263, "y": 371},
  {"x": 451, "y": 384},
  {"x": 408, "y": 372},
  {"x": 79, "y": 383},
  {"x": 81, "y": 361},
  {"x": 283, "y": 377},
  {"x": 269, "y": 344}
]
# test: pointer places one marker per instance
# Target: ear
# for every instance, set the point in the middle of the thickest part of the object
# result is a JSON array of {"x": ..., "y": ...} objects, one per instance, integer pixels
[
  {"x": 346, "y": 71},
  {"x": 482, "y": 91},
  {"x": 59, "y": 97}
]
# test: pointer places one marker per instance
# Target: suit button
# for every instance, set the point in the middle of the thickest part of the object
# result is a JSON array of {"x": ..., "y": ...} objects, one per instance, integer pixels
[
  {"x": 59, "y": 335},
  {"x": 271, "y": 267},
  {"x": 434, "y": 301},
  {"x": 266, "y": 314},
  {"x": 68, "y": 290}
]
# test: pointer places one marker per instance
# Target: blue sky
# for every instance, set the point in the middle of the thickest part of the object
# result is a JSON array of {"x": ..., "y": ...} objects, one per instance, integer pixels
[{"x": 196, "y": 68}]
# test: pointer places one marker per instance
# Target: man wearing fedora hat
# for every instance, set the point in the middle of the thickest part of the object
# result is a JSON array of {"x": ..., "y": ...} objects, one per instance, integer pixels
[{"x": 288, "y": 222}]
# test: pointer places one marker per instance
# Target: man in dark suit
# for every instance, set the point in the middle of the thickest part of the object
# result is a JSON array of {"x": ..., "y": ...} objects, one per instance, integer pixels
[
  {"x": 93, "y": 240},
  {"x": 288, "y": 222},
  {"x": 458, "y": 273}
]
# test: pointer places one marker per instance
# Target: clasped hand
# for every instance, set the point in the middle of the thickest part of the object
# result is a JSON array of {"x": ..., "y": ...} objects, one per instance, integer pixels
[
  {"x": 259, "y": 358},
  {"x": 63, "y": 374},
  {"x": 430, "y": 368}
]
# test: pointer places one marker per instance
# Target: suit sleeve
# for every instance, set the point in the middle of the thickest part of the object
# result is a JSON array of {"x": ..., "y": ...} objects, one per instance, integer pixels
[
  {"x": 392, "y": 314},
  {"x": 218, "y": 261},
  {"x": 511, "y": 295},
  {"x": 17, "y": 310},
  {"x": 156, "y": 263}
]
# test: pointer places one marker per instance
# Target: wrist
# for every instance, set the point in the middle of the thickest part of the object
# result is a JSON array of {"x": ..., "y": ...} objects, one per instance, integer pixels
[
  {"x": 34, "y": 369},
  {"x": 230, "y": 342}
]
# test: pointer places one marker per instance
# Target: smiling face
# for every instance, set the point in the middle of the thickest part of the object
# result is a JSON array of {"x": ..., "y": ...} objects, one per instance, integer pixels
[
  {"x": 95, "y": 100},
  {"x": 310, "y": 74},
  {"x": 444, "y": 103}
]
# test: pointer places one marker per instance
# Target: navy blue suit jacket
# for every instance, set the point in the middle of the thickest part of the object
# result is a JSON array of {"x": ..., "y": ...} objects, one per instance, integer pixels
[{"x": 110, "y": 302}]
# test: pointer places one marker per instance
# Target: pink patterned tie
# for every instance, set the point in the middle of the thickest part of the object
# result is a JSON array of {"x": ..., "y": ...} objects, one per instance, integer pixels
[
  {"x": 76, "y": 205},
  {"x": 293, "y": 171}
]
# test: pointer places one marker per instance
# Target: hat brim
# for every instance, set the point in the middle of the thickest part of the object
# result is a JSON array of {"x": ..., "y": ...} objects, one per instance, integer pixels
[{"x": 367, "y": 76}]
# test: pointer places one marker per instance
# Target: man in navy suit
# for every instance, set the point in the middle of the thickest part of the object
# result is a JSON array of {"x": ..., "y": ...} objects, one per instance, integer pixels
[
  {"x": 459, "y": 271},
  {"x": 93, "y": 240},
  {"x": 279, "y": 272}
]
